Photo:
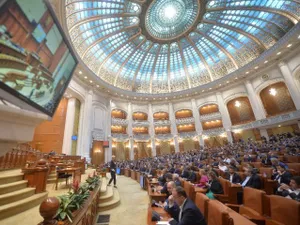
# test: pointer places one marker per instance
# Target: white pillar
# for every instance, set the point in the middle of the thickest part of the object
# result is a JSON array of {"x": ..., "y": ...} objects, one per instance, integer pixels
[
  {"x": 225, "y": 116},
  {"x": 109, "y": 149},
  {"x": 199, "y": 128},
  {"x": 256, "y": 104},
  {"x": 87, "y": 131},
  {"x": 173, "y": 127},
  {"x": 129, "y": 131},
  {"x": 80, "y": 130},
  {"x": 201, "y": 140},
  {"x": 151, "y": 129},
  {"x": 69, "y": 126},
  {"x": 131, "y": 149},
  {"x": 264, "y": 132},
  {"x": 290, "y": 83}
]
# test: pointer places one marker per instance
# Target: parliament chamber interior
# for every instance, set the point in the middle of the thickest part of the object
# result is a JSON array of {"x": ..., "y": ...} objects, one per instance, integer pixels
[{"x": 145, "y": 112}]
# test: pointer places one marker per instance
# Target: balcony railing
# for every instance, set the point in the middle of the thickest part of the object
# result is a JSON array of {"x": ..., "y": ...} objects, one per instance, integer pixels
[
  {"x": 211, "y": 116},
  {"x": 141, "y": 137},
  {"x": 120, "y": 122},
  {"x": 269, "y": 121},
  {"x": 191, "y": 134},
  {"x": 120, "y": 137},
  {"x": 162, "y": 123},
  {"x": 188, "y": 120},
  {"x": 164, "y": 137},
  {"x": 214, "y": 132},
  {"x": 140, "y": 123}
]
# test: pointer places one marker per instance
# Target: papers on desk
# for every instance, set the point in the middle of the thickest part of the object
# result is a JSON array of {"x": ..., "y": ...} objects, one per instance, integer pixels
[{"x": 162, "y": 223}]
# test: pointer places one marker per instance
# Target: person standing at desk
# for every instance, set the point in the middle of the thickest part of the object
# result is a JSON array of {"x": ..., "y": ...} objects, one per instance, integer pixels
[{"x": 113, "y": 171}]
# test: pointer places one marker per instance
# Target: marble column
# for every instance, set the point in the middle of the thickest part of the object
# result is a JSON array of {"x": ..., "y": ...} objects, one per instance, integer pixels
[
  {"x": 290, "y": 83},
  {"x": 198, "y": 125},
  {"x": 201, "y": 140},
  {"x": 225, "y": 116},
  {"x": 87, "y": 126},
  {"x": 129, "y": 131},
  {"x": 108, "y": 150},
  {"x": 69, "y": 126},
  {"x": 80, "y": 130},
  {"x": 173, "y": 127},
  {"x": 264, "y": 132},
  {"x": 151, "y": 129},
  {"x": 255, "y": 102}
]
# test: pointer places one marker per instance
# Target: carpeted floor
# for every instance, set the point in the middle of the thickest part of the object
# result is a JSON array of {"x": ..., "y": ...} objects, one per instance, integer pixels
[{"x": 134, "y": 204}]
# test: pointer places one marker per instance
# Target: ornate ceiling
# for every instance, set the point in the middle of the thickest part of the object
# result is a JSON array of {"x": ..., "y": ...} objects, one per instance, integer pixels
[{"x": 165, "y": 46}]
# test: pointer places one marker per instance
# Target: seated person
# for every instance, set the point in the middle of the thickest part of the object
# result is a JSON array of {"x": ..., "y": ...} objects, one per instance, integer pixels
[
  {"x": 232, "y": 176},
  {"x": 192, "y": 175},
  {"x": 252, "y": 179},
  {"x": 162, "y": 178},
  {"x": 222, "y": 166},
  {"x": 203, "y": 180},
  {"x": 189, "y": 214},
  {"x": 163, "y": 189},
  {"x": 214, "y": 185},
  {"x": 176, "y": 179},
  {"x": 169, "y": 203},
  {"x": 291, "y": 191},
  {"x": 185, "y": 173},
  {"x": 281, "y": 175},
  {"x": 265, "y": 160}
]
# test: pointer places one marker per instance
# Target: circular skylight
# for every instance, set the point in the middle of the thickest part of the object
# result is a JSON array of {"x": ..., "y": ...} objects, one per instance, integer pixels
[
  {"x": 166, "y": 19},
  {"x": 165, "y": 46}
]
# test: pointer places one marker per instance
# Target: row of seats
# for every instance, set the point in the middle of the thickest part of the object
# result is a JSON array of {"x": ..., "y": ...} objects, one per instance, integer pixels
[{"x": 258, "y": 208}]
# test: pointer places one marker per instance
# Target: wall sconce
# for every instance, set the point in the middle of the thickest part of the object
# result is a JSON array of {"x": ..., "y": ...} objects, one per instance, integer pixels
[
  {"x": 237, "y": 104},
  {"x": 113, "y": 146},
  {"x": 273, "y": 91},
  {"x": 223, "y": 135},
  {"x": 97, "y": 151},
  {"x": 205, "y": 137}
]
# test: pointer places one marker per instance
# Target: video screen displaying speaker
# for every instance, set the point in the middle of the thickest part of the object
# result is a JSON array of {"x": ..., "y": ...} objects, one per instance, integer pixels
[{"x": 36, "y": 60}]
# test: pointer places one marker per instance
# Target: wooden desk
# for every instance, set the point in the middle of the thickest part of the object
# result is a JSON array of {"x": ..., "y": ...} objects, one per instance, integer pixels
[
  {"x": 156, "y": 195},
  {"x": 133, "y": 174},
  {"x": 127, "y": 172},
  {"x": 138, "y": 175},
  {"x": 165, "y": 216},
  {"x": 72, "y": 170}
]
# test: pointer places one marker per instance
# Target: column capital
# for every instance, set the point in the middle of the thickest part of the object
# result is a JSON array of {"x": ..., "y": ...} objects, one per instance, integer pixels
[
  {"x": 247, "y": 82},
  {"x": 219, "y": 94},
  {"x": 90, "y": 92}
]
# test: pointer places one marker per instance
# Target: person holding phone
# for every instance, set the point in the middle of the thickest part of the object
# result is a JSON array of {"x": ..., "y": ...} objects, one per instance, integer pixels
[{"x": 113, "y": 171}]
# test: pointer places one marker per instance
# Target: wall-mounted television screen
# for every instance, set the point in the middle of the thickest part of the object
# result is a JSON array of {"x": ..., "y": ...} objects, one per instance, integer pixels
[{"x": 36, "y": 60}]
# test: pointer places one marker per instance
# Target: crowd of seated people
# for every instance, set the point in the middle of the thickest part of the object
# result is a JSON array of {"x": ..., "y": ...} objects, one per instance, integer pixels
[{"x": 233, "y": 162}]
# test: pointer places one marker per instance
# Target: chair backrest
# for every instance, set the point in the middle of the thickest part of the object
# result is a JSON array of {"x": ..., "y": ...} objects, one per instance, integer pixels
[
  {"x": 218, "y": 214},
  {"x": 225, "y": 184},
  {"x": 257, "y": 164},
  {"x": 266, "y": 170},
  {"x": 293, "y": 159},
  {"x": 201, "y": 202},
  {"x": 284, "y": 210},
  {"x": 238, "y": 219},
  {"x": 253, "y": 198},
  {"x": 190, "y": 190},
  {"x": 294, "y": 166}
]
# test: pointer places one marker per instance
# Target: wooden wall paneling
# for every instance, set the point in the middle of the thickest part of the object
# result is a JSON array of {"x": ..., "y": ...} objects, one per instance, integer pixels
[
  {"x": 49, "y": 135},
  {"x": 98, "y": 153},
  {"x": 208, "y": 109},
  {"x": 242, "y": 114}
]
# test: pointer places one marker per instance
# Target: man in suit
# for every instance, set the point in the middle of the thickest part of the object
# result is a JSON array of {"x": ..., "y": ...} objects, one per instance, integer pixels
[
  {"x": 163, "y": 189},
  {"x": 252, "y": 179},
  {"x": 189, "y": 214},
  {"x": 113, "y": 168},
  {"x": 232, "y": 176},
  {"x": 282, "y": 176}
]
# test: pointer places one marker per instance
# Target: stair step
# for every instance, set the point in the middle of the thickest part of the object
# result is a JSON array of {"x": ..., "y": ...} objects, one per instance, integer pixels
[
  {"x": 6, "y": 188},
  {"x": 14, "y": 208},
  {"x": 10, "y": 178},
  {"x": 16, "y": 195},
  {"x": 103, "y": 186},
  {"x": 110, "y": 204},
  {"x": 51, "y": 180},
  {"x": 107, "y": 196}
]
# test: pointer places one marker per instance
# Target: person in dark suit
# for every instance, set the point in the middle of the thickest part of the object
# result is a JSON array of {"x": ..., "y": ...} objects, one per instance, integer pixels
[
  {"x": 282, "y": 176},
  {"x": 291, "y": 191},
  {"x": 189, "y": 214},
  {"x": 232, "y": 176},
  {"x": 252, "y": 179},
  {"x": 163, "y": 189},
  {"x": 113, "y": 171}
]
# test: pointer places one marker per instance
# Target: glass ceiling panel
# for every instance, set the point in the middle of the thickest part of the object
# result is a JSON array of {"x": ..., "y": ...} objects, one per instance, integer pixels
[{"x": 109, "y": 36}]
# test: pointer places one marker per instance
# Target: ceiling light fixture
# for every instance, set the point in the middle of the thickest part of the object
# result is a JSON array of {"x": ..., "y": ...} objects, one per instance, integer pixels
[
  {"x": 266, "y": 61},
  {"x": 80, "y": 72},
  {"x": 273, "y": 91},
  {"x": 289, "y": 45},
  {"x": 85, "y": 77},
  {"x": 278, "y": 53},
  {"x": 237, "y": 104}
]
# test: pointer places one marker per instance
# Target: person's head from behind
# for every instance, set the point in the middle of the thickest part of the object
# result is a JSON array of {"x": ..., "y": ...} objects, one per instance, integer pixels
[
  {"x": 295, "y": 182},
  {"x": 274, "y": 161},
  {"x": 170, "y": 186},
  {"x": 175, "y": 177},
  {"x": 169, "y": 177},
  {"x": 179, "y": 195}
]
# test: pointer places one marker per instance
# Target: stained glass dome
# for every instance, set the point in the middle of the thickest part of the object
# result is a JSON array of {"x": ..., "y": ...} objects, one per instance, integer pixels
[{"x": 165, "y": 46}]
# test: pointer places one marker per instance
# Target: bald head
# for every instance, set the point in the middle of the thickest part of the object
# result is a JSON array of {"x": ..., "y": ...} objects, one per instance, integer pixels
[{"x": 170, "y": 186}]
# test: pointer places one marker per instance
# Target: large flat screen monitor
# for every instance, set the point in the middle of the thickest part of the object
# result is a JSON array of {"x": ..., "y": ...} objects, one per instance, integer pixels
[{"x": 36, "y": 60}]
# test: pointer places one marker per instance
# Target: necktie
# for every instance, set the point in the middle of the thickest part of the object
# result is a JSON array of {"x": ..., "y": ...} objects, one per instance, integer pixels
[{"x": 180, "y": 214}]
